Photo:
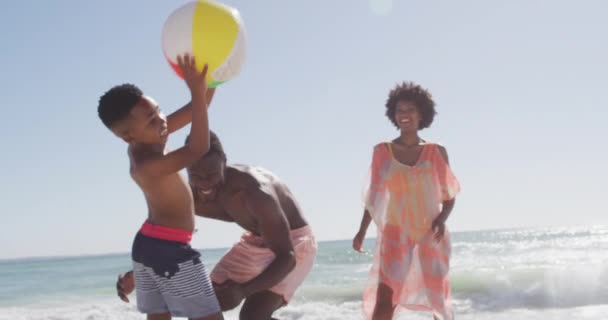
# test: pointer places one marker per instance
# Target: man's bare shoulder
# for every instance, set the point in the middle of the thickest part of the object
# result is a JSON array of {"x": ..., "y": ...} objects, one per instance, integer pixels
[
  {"x": 253, "y": 174},
  {"x": 253, "y": 178}
]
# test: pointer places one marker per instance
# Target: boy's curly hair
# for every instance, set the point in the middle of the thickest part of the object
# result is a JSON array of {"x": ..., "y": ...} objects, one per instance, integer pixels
[
  {"x": 411, "y": 92},
  {"x": 117, "y": 103}
]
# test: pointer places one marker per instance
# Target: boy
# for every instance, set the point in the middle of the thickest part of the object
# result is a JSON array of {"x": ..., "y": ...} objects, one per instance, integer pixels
[{"x": 171, "y": 279}]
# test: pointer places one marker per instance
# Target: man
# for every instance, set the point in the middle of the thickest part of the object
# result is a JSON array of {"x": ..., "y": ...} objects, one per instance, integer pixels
[{"x": 278, "y": 249}]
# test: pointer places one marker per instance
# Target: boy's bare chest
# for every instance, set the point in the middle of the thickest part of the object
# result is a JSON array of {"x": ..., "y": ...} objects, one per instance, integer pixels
[{"x": 166, "y": 189}]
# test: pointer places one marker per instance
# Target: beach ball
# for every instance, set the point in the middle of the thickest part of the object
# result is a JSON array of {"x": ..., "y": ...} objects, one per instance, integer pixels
[{"x": 211, "y": 31}]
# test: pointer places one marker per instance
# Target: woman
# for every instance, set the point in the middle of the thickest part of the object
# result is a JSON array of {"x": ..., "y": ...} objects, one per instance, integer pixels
[{"x": 410, "y": 196}]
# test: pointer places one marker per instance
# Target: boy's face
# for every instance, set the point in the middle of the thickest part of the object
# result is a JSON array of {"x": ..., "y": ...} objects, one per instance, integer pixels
[
  {"x": 145, "y": 124},
  {"x": 407, "y": 116},
  {"x": 206, "y": 176}
]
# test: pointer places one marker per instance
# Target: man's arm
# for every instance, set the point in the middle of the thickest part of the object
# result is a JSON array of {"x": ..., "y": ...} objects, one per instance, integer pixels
[
  {"x": 183, "y": 116},
  {"x": 275, "y": 231}
]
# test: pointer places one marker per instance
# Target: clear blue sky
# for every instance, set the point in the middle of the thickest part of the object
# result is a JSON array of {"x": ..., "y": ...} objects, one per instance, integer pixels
[{"x": 520, "y": 87}]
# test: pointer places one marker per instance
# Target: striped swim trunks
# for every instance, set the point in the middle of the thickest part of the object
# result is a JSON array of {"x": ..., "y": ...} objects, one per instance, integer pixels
[{"x": 169, "y": 274}]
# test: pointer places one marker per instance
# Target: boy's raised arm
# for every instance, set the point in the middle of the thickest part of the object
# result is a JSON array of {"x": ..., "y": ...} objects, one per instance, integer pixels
[
  {"x": 183, "y": 116},
  {"x": 198, "y": 144}
]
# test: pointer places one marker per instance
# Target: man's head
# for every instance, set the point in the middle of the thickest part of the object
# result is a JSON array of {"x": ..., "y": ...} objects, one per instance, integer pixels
[
  {"x": 207, "y": 174},
  {"x": 410, "y": 107},
  {"x": 131, "y": 116}
]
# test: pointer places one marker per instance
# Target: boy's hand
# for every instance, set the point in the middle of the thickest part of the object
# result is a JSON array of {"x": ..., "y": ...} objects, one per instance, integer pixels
[
  {"x": 125, "y": 285},
  {"x": 195, "y": 80}
]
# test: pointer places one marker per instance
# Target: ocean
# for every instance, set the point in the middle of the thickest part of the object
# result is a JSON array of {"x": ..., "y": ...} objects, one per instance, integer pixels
[{"x": 542, "y": 273}]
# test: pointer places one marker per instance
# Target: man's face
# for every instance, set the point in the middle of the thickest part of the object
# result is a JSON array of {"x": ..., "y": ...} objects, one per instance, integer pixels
[{"x": 206, "y": 176}]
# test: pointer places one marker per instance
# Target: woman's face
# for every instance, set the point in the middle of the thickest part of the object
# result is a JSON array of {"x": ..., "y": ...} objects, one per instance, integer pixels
[{"x": 407, "y": 116}]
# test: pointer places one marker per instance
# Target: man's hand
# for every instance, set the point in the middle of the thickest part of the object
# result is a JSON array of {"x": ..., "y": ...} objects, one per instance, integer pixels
[
  {"x": 358, "y": 241},
  {"x": 196, "y": 81},
  {"x": 438, "y": 228},
  {"x": 230, "y": 294},
  {"x": 125, "y": 285}
]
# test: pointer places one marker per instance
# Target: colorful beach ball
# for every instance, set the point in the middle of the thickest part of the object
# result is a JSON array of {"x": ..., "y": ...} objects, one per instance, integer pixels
[{"x": 213, "y": 32}]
